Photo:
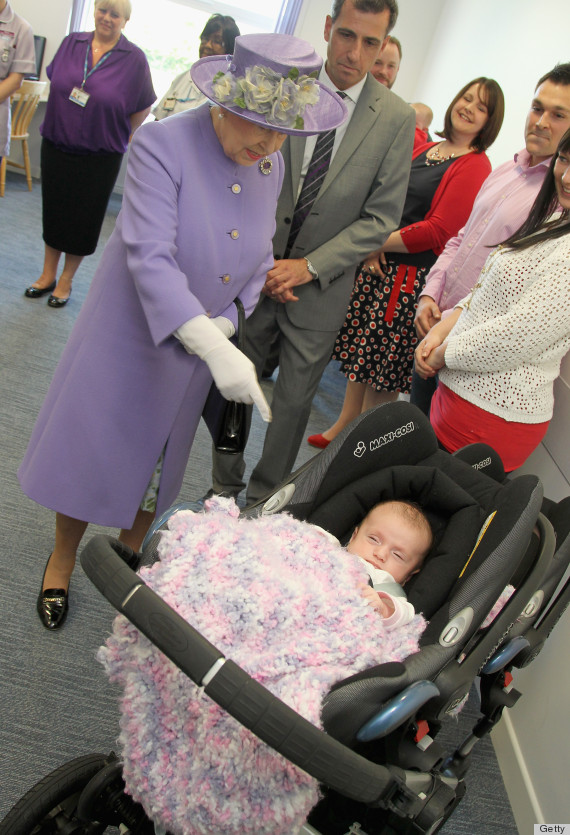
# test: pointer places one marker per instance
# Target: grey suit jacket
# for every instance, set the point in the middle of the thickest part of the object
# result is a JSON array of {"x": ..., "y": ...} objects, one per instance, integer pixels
[{"x": 359, "y": 204}]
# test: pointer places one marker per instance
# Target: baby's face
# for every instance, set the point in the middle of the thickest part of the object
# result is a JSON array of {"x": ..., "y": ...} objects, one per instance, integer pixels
[{"x": 386, "y": 540}]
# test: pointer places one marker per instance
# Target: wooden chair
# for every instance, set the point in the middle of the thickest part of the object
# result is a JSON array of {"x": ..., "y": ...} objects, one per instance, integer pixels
[{"x": 24, "y": 105}]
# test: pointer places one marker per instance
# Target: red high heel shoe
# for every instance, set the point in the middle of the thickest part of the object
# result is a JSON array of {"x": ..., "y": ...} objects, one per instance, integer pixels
[{"x": 318, "y": 440}]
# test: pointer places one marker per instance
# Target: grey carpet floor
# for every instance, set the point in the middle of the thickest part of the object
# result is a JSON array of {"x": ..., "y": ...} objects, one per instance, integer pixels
[{"x": 56, "y": 702}]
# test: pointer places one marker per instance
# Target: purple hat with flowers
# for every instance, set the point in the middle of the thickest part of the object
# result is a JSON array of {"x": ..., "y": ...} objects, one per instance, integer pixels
[{"x": 271, "y": 80}]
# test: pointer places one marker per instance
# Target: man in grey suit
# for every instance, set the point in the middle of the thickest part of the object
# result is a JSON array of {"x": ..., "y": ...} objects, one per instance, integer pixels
[{"x": 359, "y": 203}]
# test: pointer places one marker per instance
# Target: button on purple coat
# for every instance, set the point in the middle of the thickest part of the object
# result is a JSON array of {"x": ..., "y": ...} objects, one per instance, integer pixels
[{"x": 125, "y": 387}]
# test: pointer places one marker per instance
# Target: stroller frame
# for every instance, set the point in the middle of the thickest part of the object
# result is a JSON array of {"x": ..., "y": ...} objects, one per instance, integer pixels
[{"x": 418, "y": 787}]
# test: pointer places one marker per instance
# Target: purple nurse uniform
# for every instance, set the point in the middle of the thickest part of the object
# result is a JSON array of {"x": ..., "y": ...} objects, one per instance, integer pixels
[
  {"x": 119, "y": 87},
  {"x": 194, "y": 232}
]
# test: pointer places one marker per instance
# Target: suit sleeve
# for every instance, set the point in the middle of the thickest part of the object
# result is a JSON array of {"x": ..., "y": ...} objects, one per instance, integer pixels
[{"x": 380, "y": 213}]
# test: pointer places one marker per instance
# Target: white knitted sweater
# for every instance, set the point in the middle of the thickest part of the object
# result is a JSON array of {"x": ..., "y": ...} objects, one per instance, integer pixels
[{"x": 505, "y": 350}]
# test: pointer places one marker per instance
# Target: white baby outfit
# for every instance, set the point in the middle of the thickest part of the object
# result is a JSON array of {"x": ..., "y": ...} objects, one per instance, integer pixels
[{"x": 384, "y": 582}]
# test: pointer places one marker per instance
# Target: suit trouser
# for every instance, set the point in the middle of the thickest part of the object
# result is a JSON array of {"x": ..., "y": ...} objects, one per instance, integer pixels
[{"x": 303, "y": 357}]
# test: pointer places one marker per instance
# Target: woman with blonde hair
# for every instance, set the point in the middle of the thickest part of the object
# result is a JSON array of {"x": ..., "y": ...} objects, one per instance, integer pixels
[{"x": 100, "y": 92}]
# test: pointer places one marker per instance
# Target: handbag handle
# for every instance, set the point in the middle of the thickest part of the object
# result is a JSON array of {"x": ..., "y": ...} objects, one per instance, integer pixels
[{"x": 241, "y": 324}]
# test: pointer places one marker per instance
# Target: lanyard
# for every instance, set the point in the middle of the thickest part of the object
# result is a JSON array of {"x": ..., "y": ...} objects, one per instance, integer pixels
[{"x": 97, "y": 65}]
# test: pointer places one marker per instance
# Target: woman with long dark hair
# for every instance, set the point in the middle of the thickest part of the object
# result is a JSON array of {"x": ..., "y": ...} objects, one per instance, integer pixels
[{"x": 499, "y": 352}]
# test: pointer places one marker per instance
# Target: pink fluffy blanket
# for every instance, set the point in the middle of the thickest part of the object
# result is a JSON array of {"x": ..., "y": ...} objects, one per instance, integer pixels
[{"x": 283, "y": 602}]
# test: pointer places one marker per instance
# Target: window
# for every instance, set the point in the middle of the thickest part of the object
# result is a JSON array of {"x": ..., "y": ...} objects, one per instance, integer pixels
[{"x": 169, "y": 31}]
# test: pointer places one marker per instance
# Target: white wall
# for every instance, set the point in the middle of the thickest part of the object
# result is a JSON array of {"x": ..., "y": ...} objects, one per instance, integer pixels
[
  {"x": 532, "y": 744},
  {"x": 47, "y": 19},
  {"x": 446, "y": 43}
]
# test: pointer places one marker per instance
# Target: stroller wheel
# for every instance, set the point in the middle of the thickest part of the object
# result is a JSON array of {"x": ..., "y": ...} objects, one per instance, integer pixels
[
  {"x": 50, "y": 806},
  {"x": 104, "y": 799},
  {"x": 446, "y": 812}
]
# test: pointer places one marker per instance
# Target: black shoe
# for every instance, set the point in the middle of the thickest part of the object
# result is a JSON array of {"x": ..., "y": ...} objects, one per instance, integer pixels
[
  {"x": 54, "y": 301},
  {"x": 37, "y": 292},
  {"x": 198, "y": 505},
  {"x": 52, "y": 605}
]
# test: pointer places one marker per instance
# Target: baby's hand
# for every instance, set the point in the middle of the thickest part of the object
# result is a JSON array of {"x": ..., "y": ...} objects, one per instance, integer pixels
[
  {"x": 385, "y": 604},
  {"x": 379, "y": 601}
]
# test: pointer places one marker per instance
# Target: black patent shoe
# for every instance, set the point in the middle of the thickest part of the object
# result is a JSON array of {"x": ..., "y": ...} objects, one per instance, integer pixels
[
  {"x": 55, "y": 301},
  {"x": 37, "y": 292},
  {"x": 52, "y": 606}
]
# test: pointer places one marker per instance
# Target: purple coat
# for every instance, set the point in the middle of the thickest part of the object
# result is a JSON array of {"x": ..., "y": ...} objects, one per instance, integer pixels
[{"x": 194, "y": 232}]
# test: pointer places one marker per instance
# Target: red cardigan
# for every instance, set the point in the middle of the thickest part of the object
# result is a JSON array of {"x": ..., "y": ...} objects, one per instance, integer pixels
[{"x": 451, "y": 204}]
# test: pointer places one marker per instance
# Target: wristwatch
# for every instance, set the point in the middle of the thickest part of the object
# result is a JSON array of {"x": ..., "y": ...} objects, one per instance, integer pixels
[{"x": 312, "y": 270}]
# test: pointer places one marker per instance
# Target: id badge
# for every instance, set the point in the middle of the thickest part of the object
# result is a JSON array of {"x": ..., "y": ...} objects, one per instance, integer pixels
[
  {"x": 169, "y": 103},
  {"x": 6, "y": 39},
  {"x": 79, "y": 96}
]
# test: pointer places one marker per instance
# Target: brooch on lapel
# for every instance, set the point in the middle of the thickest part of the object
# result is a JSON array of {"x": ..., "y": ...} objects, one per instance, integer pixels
[{"x": 265, "y": 165}]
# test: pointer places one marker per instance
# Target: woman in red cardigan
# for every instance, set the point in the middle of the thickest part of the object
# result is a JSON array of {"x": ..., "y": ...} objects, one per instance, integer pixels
[{"x": 377, "y": 341}]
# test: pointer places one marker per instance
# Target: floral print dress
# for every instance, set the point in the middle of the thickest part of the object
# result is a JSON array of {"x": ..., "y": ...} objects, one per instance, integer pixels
[{"x": 377, "y": 341}]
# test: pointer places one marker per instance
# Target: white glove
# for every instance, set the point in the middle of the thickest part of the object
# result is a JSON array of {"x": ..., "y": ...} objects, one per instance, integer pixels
[
  {"x": 226, "y": 326},
  {"x": 233, "y": 373}
]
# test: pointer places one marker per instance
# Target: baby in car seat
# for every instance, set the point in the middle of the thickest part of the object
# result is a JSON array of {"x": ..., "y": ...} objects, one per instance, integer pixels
[{"x": 392, "y": 540}]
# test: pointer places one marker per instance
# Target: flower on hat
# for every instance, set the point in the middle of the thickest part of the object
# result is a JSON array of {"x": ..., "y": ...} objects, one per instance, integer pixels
[
  {"x": 226, "y": 87},
  {"x": 287, "y": 107},
  {"x": 281, "y": 100},
  {"x": 259, "y": 86}
]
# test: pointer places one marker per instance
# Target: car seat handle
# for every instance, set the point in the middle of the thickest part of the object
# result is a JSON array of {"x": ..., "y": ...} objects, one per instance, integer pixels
[
  {"x": 505, "y": 655},
  {"x": 398, "y": 710}
]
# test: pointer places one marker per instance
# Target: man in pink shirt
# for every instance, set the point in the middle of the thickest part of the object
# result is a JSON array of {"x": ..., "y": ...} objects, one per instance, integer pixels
[{"x": 500, "y": 207}]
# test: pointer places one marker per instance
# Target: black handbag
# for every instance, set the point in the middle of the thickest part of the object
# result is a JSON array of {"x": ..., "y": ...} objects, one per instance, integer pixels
[{"x": 226, "y": 420}]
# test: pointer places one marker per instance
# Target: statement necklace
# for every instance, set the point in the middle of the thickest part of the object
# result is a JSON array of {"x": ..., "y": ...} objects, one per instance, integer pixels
[{"x": 436, "y": 158}]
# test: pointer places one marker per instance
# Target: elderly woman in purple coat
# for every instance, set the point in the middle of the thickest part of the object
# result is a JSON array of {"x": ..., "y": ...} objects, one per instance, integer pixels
[{"x": 194, "y": 233}]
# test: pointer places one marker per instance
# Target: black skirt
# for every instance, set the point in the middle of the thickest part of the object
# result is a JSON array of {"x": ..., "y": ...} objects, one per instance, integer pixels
[{"x": 75, "y": 192}]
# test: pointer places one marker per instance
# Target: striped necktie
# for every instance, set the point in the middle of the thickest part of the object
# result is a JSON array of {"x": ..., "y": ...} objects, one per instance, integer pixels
[{"x": 316, "y": 173}]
